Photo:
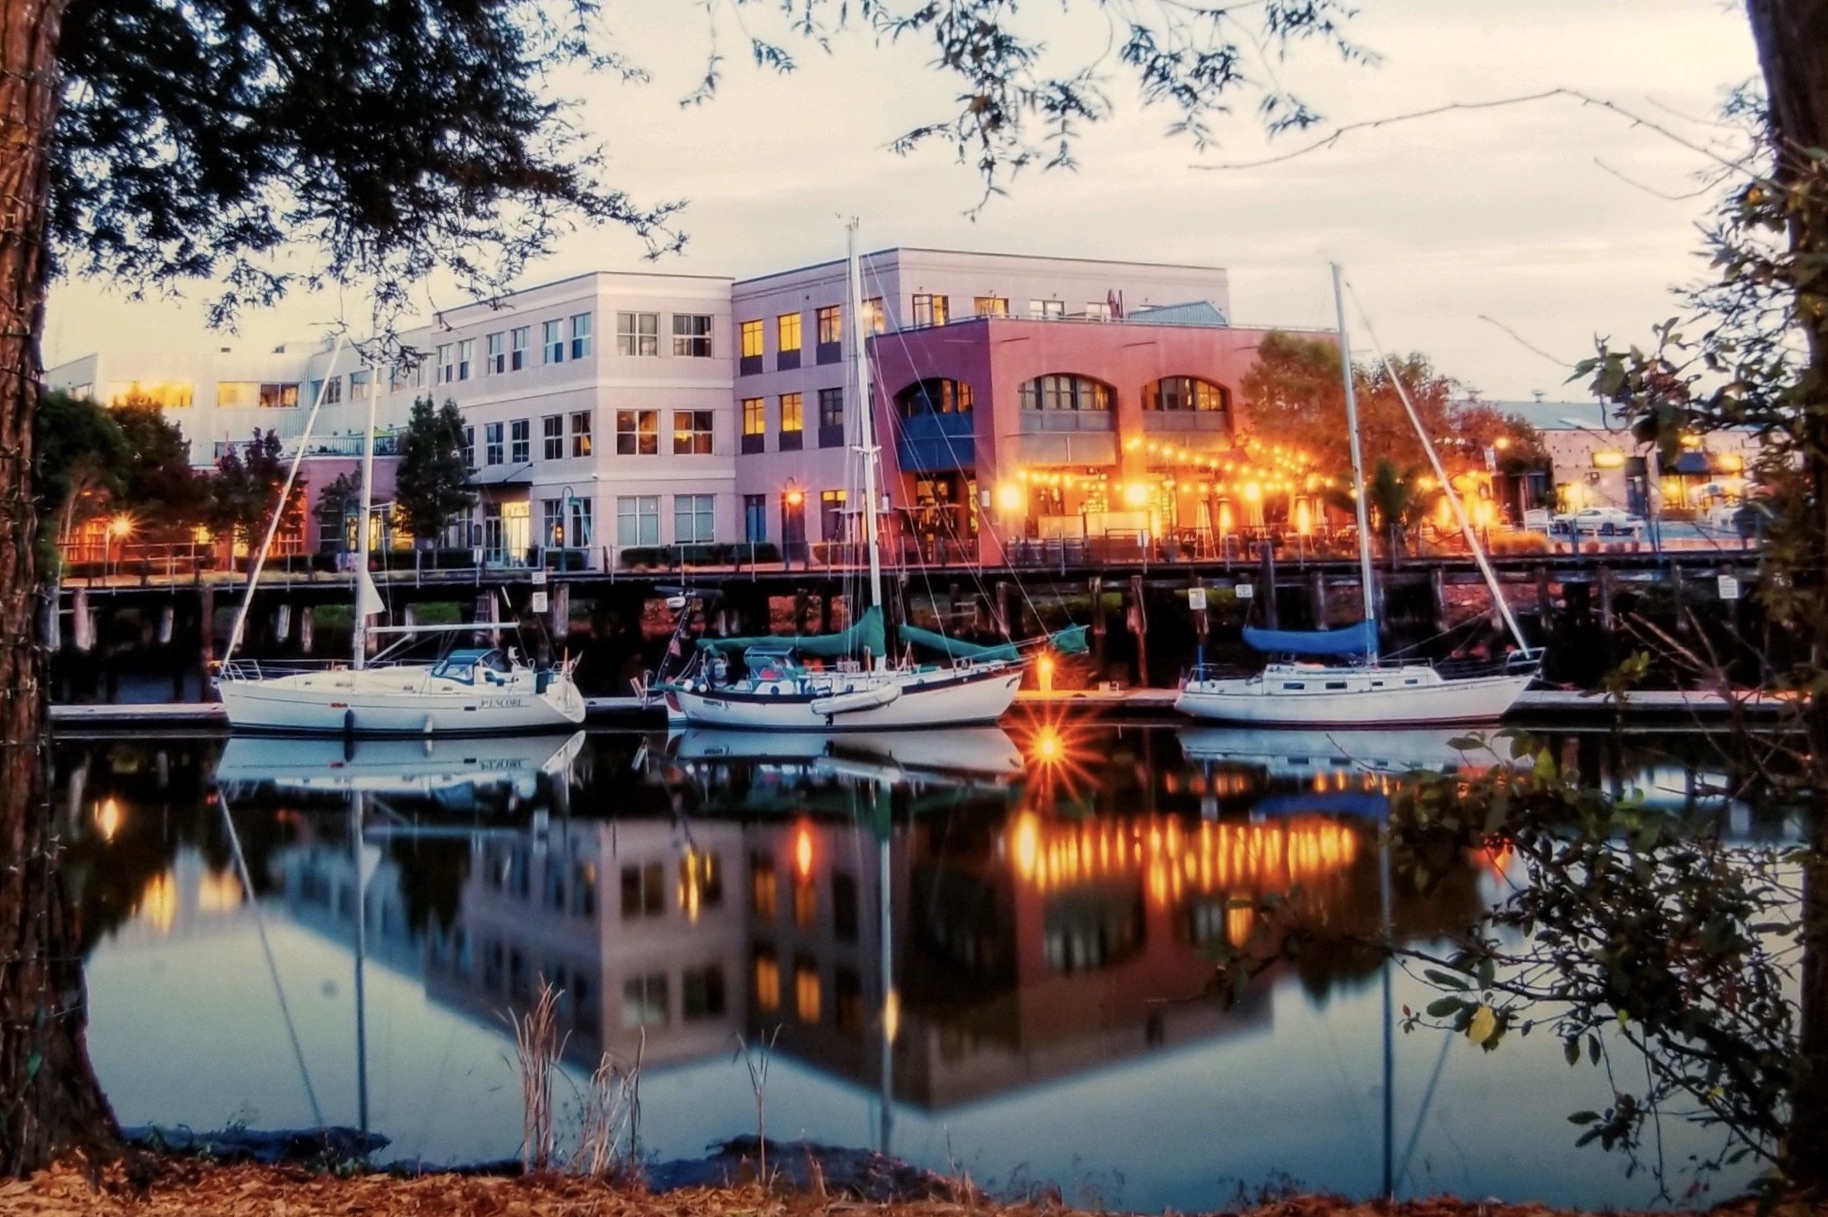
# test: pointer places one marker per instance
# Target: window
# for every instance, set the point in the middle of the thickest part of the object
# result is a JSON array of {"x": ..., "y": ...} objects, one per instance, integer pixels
[
  {"x": 279, "y": 396},
  {"x": 638, "y": 432},
  {"x": 469, "y": 448},
  {"x": 831, "y": 324},
  {"x": 844, "y": 907},
  {"x": 466, "y": 358},
  {"x": 637, "y": 333},
  {"x": 693, "y": 519},
  {"x": 1098, "y": 310},
  {"x": 497, "y": 346},
  {"x": 552, "y": 521},
  {"x": 358, "y": 383},
  {"x": 643, "y": 891},
  {"x": 1064, "y": 393},
  {"x": 787, "y": 332},
  {"x": 399, "y": 376},
  {"x": 552, "y": 431},
  {"x": 517, "y": 347},
  {"x": 874, "y": 319},
  {"x": 580, "y": 433},
  {"x": 1184, "y": 393},
  {"x": 767, "y": 980},
  {"x": 644, "y": 1001},
  {"x": 638, "y": 519},
  {"x": 806, "y": 988},
  {"x": 1049, "y": 309},
  {"x": 755, "y": 424},
  {"x": 762, "y": 886},
  {"x": 552, "y": 341},
  {"x": 704, "y": 992},
  {"x": 692, "y": 432},
  {"x": 793, "y": 421},
  {"x": 581, "y": 531},
  {"x": 930, "y": 310},
  {"x": 831, "y": 418},
  {"x": 937, "y": 396},
  {"x": 831, "y": 514},
  {"x": 330, "y": 391},
  {"x": 704, "y": 875},
  {"x": 520, "y": 435},
  {"x": 752, "y": 338},
  {"x": 491, "y": 443},
  {"x": 805, "y": 904},
  {"x": 580, "y": 335},
  {"x": 447, "y": 363},
  {"x": 848, "y": 1012},
  {"x": 755, "y": 518},
  {"x": 990, "y": 306},
  {"x": 692, "y": 335}
]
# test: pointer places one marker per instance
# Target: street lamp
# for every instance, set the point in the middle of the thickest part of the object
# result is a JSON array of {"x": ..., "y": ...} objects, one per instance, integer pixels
[{"x": 795, "y": 499}]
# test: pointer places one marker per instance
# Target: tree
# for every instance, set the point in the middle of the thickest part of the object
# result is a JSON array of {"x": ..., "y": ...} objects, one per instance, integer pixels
[
  {"x": 430, "y": 485},
  {"x": 161, "y": 484},
  {"x": 82, "y": 461},
  {"x": 246, "y": 488}
]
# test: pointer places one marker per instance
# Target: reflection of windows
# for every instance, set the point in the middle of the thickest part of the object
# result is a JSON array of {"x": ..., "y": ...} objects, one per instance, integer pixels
[
  {"x": 847, "y": 1005},
  {"x": 637, "y": 333},
  {"x": 806, "y": 989},
  {"x": 692, "y": 335},
  {"x": 844, "y": 907},
  {"x": 580, "y": 335},
  {"x": 831, "y": 514},
  {"x": 552, "y": 433},
  {"x": 704, "y": 992},
  {"x": 643, "y": 891},
  {"x": 692, "y": 432},
  {"x": 805, "y": 904},
  {"x": 520, "y": 437},
  {"x": 990, "y": 306},
  {"x": 644, "y": 1001},
  {"x": 767, "y": 980},
  {"x": 930, "y": 310},
  {"x": 693, "y": 519},
  {"x": 492, "y": 450},
  {"x": 638, "y": 432},
  {"x": 580, "y": 433},
  {"x": 1184, "y": 393},
  {"x": 763, "y": 889},
  {"x": 706, "y": 871},
  {"x": 1064, "y": 393},
  {"x": 638, "y": 519},
  {"x": 518, "y": 338}
]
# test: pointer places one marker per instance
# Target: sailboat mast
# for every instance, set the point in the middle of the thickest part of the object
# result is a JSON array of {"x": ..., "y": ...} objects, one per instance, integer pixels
[
  {"x": 360, "y": 615},
  {"x": 1358, "y": 464},
  {"x": 866, "y": 420}
]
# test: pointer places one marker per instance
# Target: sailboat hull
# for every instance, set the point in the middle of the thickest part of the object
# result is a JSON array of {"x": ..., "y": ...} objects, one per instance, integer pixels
[
  {"x": 855, "y": 701},
  {"x": 1312, "y": 695},
  {"x": 405, "y": 700}
]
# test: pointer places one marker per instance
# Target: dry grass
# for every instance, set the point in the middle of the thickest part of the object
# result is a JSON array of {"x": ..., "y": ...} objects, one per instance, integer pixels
[
  {"x": 537, "y": 1046},
  {"x": 609, "y": 1118}
]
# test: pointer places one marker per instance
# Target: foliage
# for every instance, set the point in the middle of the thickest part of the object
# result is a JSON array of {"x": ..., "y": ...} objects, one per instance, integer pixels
[
  {"x": 81, "y": 459},
  {"x": 161, "y": 485},
  {"x": 1397, "y": 501},
  {"x": 430, "y": 489},
  {"x": 245, "y": 491}
]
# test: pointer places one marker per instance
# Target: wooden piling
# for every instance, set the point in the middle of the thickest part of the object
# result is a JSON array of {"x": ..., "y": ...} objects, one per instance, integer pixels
[
  {"x": 1139, "y": 626},
  {"x": 1437, "y": 599},
  {"x": 1605, "y": 597},
  {"x": 1095, "y": 587},
  {"x": 1266, "y": 585},
  {"x": 1318, "y": 609}
]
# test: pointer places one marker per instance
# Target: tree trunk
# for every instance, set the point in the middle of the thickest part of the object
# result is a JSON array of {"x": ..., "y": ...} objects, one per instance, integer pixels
[
  {"x": 50, "y": 1104},
  {"x": 1792, "y": 41}
]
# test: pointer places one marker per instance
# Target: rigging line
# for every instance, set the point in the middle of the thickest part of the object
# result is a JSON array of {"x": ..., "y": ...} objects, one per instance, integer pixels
[
  {"x": 1434, "y": 459},
  {"x": 285, "y": 493},
  {"x": 260, "y": 928},
  {"x": 1415, "y": 1129}
]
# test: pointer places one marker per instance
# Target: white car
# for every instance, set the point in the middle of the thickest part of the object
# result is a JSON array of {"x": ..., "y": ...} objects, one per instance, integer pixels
[{"x": 1606, "y": 521}]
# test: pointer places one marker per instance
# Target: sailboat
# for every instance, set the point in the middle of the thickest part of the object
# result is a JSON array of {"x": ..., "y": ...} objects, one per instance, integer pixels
[
  {"x": 470, "y": 691},
  {"x": 847, "y": 681},
  {"x": 1362, "y": 690}
]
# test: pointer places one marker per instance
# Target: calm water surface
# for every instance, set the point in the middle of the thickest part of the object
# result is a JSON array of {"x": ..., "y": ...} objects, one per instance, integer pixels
[{"x": 1046, "y": 906}]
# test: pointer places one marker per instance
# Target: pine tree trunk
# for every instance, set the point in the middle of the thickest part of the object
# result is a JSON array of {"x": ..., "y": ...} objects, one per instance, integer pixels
[
  {"x": 50, "y": 1103},
  {"x": 1792, "y": 41}
]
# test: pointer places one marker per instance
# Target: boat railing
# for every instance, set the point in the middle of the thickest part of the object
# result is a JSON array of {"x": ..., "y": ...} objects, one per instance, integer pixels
[
  {"x": 1221, "y": 671},
  {"x": 1511, "y": 663},
  {"x": 269, "y": 669}
]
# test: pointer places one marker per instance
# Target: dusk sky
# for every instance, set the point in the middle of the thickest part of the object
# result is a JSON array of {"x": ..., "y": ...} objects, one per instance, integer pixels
[{"x": 1553, "y": 219}]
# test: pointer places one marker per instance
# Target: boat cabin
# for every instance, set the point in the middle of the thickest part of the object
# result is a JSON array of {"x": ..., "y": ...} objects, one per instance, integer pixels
[{"x": 474, "y": 665}]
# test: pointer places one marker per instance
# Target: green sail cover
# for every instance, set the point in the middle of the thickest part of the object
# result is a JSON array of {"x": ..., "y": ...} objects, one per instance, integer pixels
[
  {"x": 865, "y": 634},
  {"x": 1070, "y": 641}
]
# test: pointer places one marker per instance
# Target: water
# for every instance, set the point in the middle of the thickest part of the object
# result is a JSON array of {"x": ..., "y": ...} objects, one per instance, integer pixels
[{"x": 1052, "y": 901}]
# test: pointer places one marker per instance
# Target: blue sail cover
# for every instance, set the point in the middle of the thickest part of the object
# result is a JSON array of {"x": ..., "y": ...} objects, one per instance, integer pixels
[{"x": 1357, "y": 639}]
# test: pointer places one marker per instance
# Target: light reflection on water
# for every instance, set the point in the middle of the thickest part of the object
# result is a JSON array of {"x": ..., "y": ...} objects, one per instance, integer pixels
[{"x": 1053, "y": 899}]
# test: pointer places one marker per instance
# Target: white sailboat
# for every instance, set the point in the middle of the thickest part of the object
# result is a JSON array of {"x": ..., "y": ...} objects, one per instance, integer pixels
[
  {"x": 471, "y": 691},
  {"x": 1363, "y": 691},
  {"x": 781, "y": 689}
]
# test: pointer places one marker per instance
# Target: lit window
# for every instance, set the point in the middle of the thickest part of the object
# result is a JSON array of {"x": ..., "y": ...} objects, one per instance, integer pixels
[
  {"x": 752, "y": 339},
  {"x": 787, "y": 333},
  {"x": 831, "y": 325},
  {"x": 755, "y": 416},
  {"x": 793, "y": 413},
  {"x": 580, "y": 433},
  {"x": 1064, "y": 393},
  {"x": 1184, "y": 393},
  {"x": 692, "y": 335},
  {"x": 990, "y": 306},
  {"x": 767, "y": 980},
  {"x": 831, "y": 515},
  {"x": 692, "y": 432},
  {"x": 930, "y": 310},
  {"x": 874, "y": 318},
  {"x": 806, "y": 989},
  {"x": 638, "y": 432}
]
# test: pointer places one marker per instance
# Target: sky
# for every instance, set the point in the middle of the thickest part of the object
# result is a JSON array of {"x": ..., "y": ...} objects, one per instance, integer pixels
[{"x": 1497, "y": 241}]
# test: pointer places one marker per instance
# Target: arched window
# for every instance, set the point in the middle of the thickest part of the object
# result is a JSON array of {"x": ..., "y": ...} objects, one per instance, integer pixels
[
  {"x": 1185, "y": 393},
  {"x": 1061, "y": 392},
  {"x": 936, "y": 396}
]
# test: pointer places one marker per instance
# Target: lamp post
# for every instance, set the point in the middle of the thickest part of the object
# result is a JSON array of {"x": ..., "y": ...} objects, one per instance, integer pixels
[
  {"x": 565, "y": 512},
  {"x": 793, "y": 522}
]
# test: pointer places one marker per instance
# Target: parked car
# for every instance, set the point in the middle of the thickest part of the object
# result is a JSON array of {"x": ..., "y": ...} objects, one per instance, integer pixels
[{"x": 1606, "y": 521}]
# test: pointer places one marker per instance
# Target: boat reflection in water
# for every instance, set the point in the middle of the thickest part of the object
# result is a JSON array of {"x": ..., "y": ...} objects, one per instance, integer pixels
[{"x": 974, "y": 946}]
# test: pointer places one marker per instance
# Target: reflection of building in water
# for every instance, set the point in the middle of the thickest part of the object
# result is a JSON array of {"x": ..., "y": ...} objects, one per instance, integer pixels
[{"x": 639, "y": 923}]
